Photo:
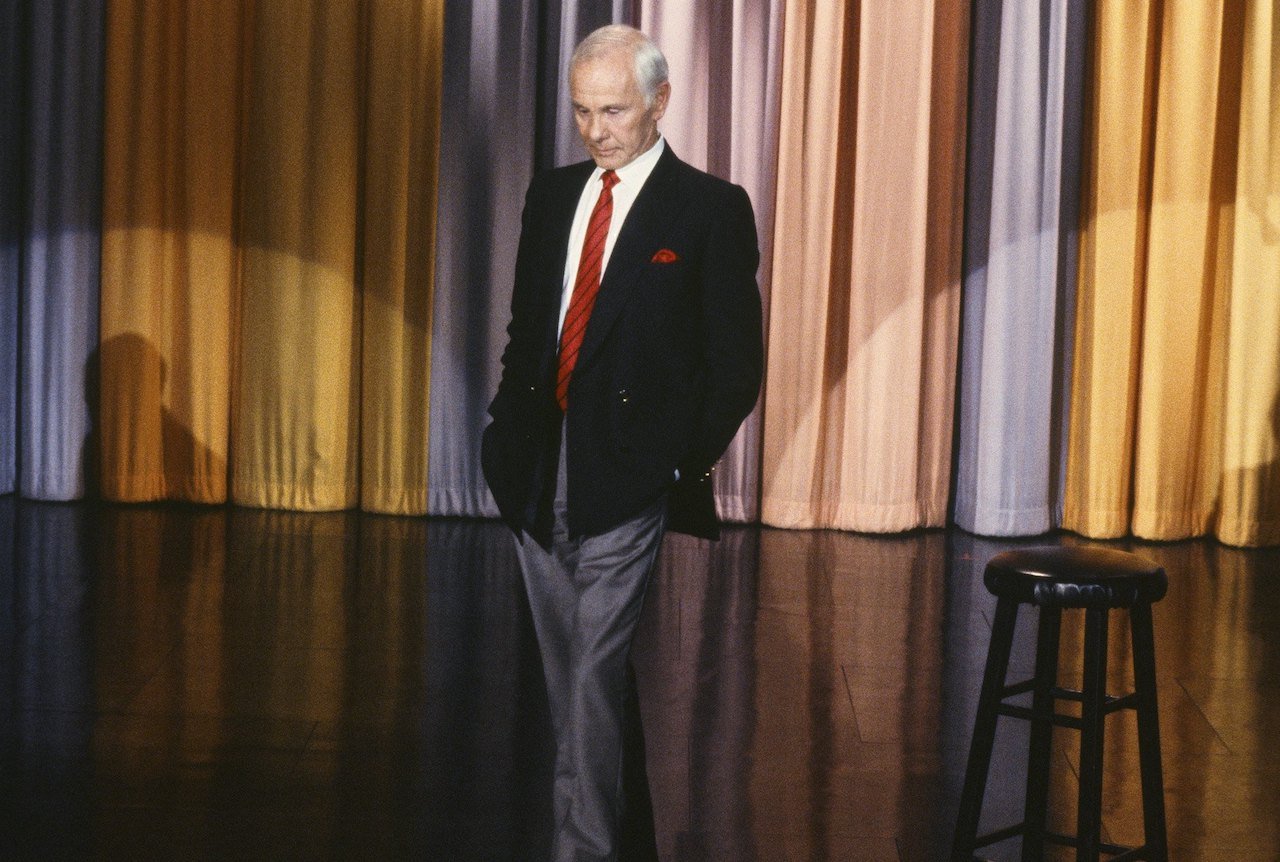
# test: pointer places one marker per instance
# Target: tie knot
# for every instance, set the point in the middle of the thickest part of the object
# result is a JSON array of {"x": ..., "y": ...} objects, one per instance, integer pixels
[{"x": 610, "y": 179}]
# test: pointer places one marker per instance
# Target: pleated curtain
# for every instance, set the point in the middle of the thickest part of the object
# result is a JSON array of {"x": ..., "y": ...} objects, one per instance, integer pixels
[
  {"x": 725, "y": 64},
  {"x": 53, "y": 152},
  {"x": 12, "y": 198},
  {"x": 1250, "y": 490},
  {"x": 267, "y": 272},
  {"x": 169, "y": 252},
  {"x": 1021, "y": 234},
  {"x": 867, "y": 266},
  {"x": 262, "y": 253},
  {"x": 1173, "y": 429}
]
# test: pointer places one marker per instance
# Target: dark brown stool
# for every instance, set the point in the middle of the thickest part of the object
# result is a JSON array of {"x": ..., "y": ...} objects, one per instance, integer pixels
[{"x": 1054, "y": 578}]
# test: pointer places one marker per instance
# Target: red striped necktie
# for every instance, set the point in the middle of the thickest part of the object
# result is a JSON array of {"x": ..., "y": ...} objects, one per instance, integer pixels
[{"x": 585, "y": 287}]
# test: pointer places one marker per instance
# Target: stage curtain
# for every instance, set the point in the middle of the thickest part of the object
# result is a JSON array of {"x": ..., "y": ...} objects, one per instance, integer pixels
[
  {"x": 297, "y": 412},
  {"x": 1157, "y": 283},
  {"x": 400, "y": 157},
  {"x": 862, "y": 352},
  {"x": 1021, "y": 234},
  {"x": 490, "y": 82},
  {"x": 12, "y": 196},
  {"x": 55, "y": 145},
  {"x": 169, "y": 257},
  {"x": 270, "y": 196},
  {"x": 726, "y": 63},
  {"x": 1250, "y": 510},
  {"x": 506, "y": 107}
]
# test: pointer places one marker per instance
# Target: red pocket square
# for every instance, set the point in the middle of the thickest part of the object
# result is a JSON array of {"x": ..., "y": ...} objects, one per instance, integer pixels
[{"x": 664, "y": 255}]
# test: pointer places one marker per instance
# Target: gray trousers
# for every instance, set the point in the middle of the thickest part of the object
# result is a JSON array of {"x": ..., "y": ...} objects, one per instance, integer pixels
[{"x": 586, "y": 596}]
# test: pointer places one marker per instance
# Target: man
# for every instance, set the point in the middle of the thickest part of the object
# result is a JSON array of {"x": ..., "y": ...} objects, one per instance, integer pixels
[{"x": 634, "y": 355}]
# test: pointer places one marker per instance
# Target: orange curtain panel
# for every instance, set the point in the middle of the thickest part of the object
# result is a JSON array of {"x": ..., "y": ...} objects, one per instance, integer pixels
[
  {"x": 169, "y": 256},
  {"x": 268, "y": 255},
  {"x": 866, "y": 271},
  {"x": 1175, "y": 376},
  {"x": 402, "y": 151}
]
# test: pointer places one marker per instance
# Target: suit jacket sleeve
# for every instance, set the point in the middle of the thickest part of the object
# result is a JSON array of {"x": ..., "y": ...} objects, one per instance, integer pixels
[{"x": 733, "y": 341}]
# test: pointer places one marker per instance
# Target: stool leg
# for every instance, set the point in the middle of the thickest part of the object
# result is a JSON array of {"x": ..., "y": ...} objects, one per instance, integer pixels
[
  {"x": 984, "y": 730},
  {"x": 1094, "y": 692},
  {"x": 1042, "y": 705},
  {"x": 1144, "y": 675}
]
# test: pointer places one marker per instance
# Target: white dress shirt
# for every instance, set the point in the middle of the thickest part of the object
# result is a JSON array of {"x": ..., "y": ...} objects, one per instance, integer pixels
[{"x": 631, "y": 178}]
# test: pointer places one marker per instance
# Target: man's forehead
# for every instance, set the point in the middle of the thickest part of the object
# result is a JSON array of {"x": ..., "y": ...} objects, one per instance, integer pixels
[{"x": 613, "y": 72}]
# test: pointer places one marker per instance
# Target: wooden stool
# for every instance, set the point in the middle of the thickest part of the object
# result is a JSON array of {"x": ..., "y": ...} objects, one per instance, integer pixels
[{"x": 1054, "y": 578}]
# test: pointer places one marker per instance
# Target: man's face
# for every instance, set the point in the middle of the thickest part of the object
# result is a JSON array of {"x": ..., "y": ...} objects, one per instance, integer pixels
[{"x": 609, "y": 108}]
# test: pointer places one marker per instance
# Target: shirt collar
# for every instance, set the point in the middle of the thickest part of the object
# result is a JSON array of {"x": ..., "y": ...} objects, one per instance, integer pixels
[{"x": 636, "y": 171}]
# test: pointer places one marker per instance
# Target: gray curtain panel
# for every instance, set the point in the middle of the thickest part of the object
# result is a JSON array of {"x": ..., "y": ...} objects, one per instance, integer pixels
[
  {"x": 52, "y": 239},
  {"x": 1020, "y": 267},
  {"x": 566, "y": 24},
  {"x": 12, "y": 81},
  {"x": 504, "y": 114}
]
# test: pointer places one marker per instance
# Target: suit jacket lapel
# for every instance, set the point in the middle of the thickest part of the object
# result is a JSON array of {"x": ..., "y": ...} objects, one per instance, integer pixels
[{"x": 657, "y": 205}]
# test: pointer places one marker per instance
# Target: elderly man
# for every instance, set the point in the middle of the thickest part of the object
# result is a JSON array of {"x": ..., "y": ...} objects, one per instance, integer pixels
[{"x": 634, "y": 355}]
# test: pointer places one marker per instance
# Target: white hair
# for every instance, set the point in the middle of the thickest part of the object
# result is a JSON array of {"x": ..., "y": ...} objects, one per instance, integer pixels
[{"x": 651, "y": 65}]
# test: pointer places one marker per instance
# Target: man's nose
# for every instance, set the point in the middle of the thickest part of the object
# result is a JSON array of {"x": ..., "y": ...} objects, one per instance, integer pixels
[{"x": 596, "y": 130}]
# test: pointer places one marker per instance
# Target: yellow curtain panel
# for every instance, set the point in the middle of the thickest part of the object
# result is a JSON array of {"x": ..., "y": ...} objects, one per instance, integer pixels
[
  {"x": 866, "y": 274},
  {"x": 1170, "y": 434},
  {"x": 268, "y": 252},
  {"x": 1249, "y": 513}
]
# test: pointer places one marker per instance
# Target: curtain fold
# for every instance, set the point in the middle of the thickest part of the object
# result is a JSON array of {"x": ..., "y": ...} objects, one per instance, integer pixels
[
  {"x": 310, "y": 150},
  {"x": 169, "y": 257},
  {"x": 401, "y": 155},
  {"x": 1019, "y": 278},
  {"x": 490, "y": 81},
  {"x": 1156, "y": 277},
  {"x": 12, "y": 198},
  {"x": 1250, "y": 510},
  {"x": 858, "y": 407},
  {"x": 1112, "y": 270},
  {"x": 725, "y": 64},
  {"x": 59, "y": 241},
  {"x": 296, "y": 416},
  {"x": 240, "y": 261}
]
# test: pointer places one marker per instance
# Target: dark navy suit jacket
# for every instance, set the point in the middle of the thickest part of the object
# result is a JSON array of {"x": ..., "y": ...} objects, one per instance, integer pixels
[{"x": 670, "y": 364}]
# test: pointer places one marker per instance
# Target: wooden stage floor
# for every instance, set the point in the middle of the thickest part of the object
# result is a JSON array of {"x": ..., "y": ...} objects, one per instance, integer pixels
[{"x": 192, "y": 683}]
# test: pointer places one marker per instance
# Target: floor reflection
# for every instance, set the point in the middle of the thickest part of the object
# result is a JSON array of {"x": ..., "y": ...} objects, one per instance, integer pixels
[{"x": 208, "y": 682}]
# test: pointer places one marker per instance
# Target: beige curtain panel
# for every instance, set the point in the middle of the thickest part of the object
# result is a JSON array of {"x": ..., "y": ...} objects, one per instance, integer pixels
[{"x": 866, "y": 275}]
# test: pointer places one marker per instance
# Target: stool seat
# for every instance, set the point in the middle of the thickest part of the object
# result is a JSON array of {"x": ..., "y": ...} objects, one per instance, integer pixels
[{"x": 1075, "y": 577}]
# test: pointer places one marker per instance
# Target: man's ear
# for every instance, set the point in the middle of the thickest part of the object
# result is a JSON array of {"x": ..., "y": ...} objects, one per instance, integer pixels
[{"x": 660, "y": 98}]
